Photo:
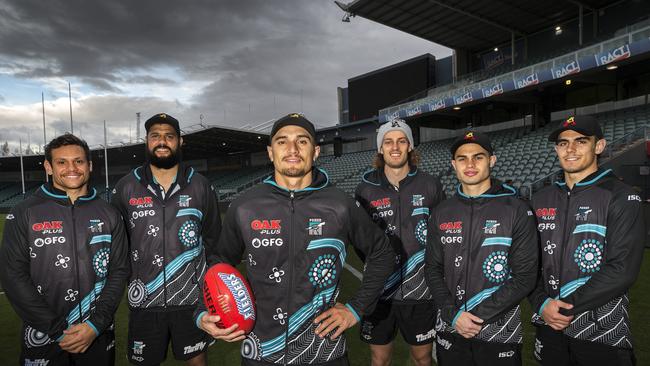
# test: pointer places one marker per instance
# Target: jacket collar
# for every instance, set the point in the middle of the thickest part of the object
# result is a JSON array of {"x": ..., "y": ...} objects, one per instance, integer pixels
[
  {"x": 319, "y": 180},
  {"x": 497, "y": 189},
  {"x": 144, "y": 175},
  {"x": 48, "y": 191},
  {"x": 377, "y": 177},
  {"x": 587, "y": 181}
]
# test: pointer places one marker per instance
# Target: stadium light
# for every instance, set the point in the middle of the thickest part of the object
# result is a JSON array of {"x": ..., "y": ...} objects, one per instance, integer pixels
[
  {"x": 456, "y": 108},
  {"x": 496, "y": 49},
  {"x": 558, "y": 30},
  {"x": 612, "y": 67},
  {"x": 567, "y": 82}
]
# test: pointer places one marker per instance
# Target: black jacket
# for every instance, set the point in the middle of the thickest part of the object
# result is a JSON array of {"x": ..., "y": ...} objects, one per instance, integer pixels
[
  {"x": 592, "y": 240},
  {"x": 482, "y": 258},
  {"x": 63, "y": 263},
  {"x": 403, "y": 214},
  {"x": 169, "y": 234},
  {"x": 295, "y": 244}
]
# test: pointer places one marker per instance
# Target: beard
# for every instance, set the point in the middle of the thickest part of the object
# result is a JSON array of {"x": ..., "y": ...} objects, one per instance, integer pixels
[
  {"x": 294, "y": 172},
  {"x": 166, "y": 162}
]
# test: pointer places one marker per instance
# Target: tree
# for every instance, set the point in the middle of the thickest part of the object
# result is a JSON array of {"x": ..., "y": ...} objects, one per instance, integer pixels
[{"x": 4, "y": 150}]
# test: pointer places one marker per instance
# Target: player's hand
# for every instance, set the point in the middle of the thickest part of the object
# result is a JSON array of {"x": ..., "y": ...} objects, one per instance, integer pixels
[
  {"x": 338, "y": 317},
  {"x": 77, "y": 338},
  {"x": 552, "y": 317},
  {"x": 468, "y": 325},
  {"x": 209, "y": 325}
]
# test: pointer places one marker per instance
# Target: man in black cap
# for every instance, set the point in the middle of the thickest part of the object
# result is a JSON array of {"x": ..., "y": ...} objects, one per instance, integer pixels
[
  {"x": 480, "y": 262},
  {"x": 173, "y": 222},
  {"x": 592, "y": 237},
  {"x": 295, "y": 229}
]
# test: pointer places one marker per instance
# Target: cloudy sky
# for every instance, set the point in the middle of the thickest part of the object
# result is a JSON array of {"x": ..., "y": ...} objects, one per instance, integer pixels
[{"x": 236, "y": 63}]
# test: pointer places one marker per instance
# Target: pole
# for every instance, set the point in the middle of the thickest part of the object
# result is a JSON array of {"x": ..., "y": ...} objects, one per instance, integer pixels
[
  {"x": 106, "y": 160},
  {"x": 70, "y": 99},
  {"x": 22, "y": 170},
  {"x": 580, "y": 24},
  {"x": 47, "y": 177}
]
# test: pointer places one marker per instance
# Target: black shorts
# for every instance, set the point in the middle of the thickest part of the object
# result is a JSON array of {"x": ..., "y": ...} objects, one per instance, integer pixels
[
  {"x": 151, "y": 331},
  {"x": 415, "y": 321},
  {"x": 557, "y": 349},
  {"x": 38, "y": 349},
  {"x": 453, "y": 349},
  {"x": 341, "y": 361}
]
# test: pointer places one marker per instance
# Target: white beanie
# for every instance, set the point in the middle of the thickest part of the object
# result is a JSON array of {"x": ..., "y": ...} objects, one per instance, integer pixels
[{"x": 394, "y": 125}]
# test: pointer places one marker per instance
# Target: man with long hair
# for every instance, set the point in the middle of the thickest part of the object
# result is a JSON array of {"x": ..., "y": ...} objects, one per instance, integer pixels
[{"x": 400, "y": 197}]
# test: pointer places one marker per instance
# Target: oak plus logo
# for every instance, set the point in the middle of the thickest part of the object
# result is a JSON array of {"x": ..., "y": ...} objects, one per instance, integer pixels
[
  {"x": 48, "y": 227},
  {"x": 546, "y": 213},
  {"x": 269, "y": 227},
  {"x": 141, "y": 202},
  {"x": 452, "y": 227}
]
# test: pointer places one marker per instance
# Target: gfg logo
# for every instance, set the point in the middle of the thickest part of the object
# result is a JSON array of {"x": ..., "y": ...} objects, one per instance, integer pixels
[
  {"x": 39, "y": 242},
  {"x": 451, "y": 239},
  {"x": 546, "y": 226},
  {"x": 140, "y": 214},
  {"x": 266, "y": 242}
]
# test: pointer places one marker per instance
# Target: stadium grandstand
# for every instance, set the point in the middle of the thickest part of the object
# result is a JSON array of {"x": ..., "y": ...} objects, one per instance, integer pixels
[{"x": 516, "y": 69}]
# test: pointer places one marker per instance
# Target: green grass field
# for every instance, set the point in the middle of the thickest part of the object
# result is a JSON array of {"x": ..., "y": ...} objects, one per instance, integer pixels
[{"x": 223, "y": 353}]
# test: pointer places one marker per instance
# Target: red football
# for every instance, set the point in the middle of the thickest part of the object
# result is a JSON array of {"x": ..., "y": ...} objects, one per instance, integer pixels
[{"x": 226, "y": 293}]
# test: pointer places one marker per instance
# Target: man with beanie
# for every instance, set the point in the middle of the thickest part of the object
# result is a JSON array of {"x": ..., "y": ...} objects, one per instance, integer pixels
[
  {"x": 481, "y": 261},
  {"x": 173, "y": 222},
  {"x": 64, "y": 264},
  {"x": 592, "y": 239},
  {"x": 400, "y": 198},
  {"x": 294, "y": 231}
]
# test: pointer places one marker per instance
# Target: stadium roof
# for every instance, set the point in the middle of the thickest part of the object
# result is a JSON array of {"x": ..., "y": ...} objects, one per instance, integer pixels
[{"x": 470, "y": 24}]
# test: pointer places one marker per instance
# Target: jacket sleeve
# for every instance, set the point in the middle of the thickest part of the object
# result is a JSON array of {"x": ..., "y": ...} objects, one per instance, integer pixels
[
  {"x": 118, "y": 273},
  {"x": 370, "y": 240},
  {"x": 365, "y": 205},
  {"x": 538, "y": 296},
  {"x": 211, "y": 225},
  {"x": 21, "y": 292},
  {"x": 117, "y": 202},
  {"x": 523, "y": 263},
  {"x": 229, "y": 249},
  {"x": 438, "y": 194},
  {"x": 625, "y": 238},
  {"x": 434, "y": 271}
]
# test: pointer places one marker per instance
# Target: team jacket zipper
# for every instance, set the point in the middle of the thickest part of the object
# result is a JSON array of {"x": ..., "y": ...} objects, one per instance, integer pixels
[
  {"x": 74, "y": 255},
  {"x": 291, "y": 245}
]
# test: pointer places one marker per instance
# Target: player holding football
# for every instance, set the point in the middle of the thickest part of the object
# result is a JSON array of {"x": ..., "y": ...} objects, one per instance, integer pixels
[
  {"x": 400, "y": 198},
  {"x": 294, "y": 231},
  {"x": 173, "y": 220},
  {"x": 64, "y": 263},
  {"x": 592, "y": 235}
]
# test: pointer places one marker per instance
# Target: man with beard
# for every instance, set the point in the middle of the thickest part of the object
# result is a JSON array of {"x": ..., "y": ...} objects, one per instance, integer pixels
[
  {"x": 592, "y": 236},
  {"x": 295, "y": 230},
  {"x": 400, "y": 198},
  {"x": 481, "y": 261},
  {"x": 64, "y": 263},
  {"x": 173, "y": 222}
]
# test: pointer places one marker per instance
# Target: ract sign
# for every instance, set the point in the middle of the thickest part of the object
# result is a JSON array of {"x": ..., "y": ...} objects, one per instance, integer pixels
[
  {"x": 467, "y": 97},
  {"x": 616, "y": 54},
  {"x": 438, "y": 104},
  {"x": 571, "y": 68},
  {"x": 493, "y": 90},
  {"x": 529, "y": 80}
]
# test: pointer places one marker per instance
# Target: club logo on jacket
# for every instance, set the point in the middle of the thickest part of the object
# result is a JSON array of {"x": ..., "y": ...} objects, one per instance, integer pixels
[
  {"x": 267, "y": 226},
  {"x": 48, "y": 227},
  {"x": 184, "y": 200},
  {"x": 583, "y": 213},
  {"x": 141, "y": 202},
  {"x": 95, "y": 226},
  {"x": 417, "y": 200},
  {"x": 546, "y": 213},
  {"x": 491, "y": 226},
  {"x": 316, "y": 226}
]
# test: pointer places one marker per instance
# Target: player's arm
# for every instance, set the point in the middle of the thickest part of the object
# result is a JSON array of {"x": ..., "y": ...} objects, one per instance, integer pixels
[
  {"x": 523, "y": 263},
  {"x": 118, "y": 273},
  {"x": 21, "y": 292},
  {"x": 368, "y": 239},
  {"x": 624, "y": 244},
  {"x": 365, "y": 205},
  {"x": 434, "y": 272},
  {"x": 211, "y": 225}
]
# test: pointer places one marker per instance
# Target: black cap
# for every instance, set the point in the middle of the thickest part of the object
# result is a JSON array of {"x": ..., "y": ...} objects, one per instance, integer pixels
[
  {"x": 293, "y": 119},
  {"x": 586, "y": 125},
  {"x": 472, "y": 137},
  {"x": 163, "y": 118}
]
